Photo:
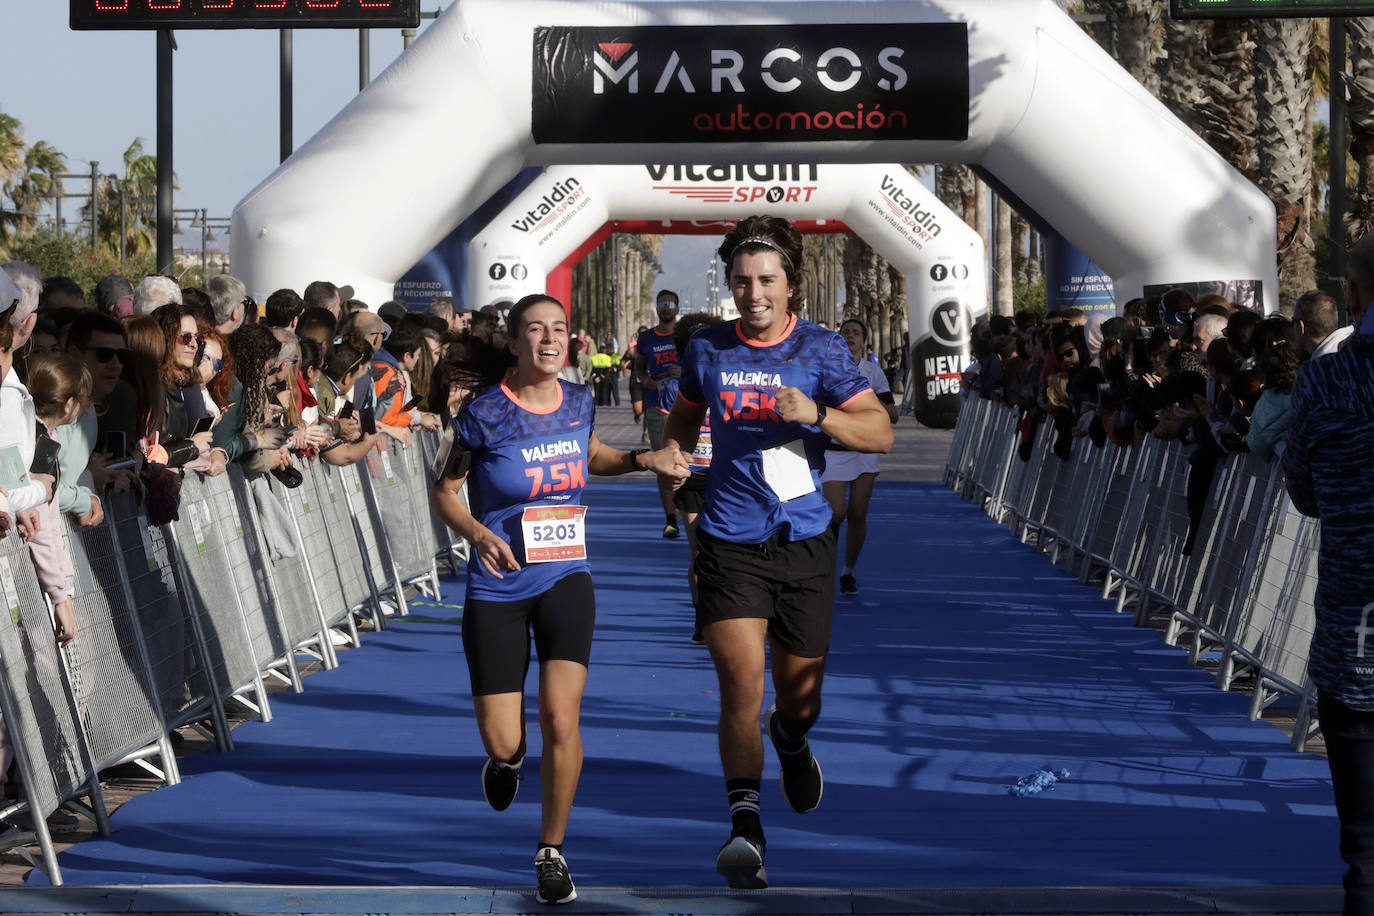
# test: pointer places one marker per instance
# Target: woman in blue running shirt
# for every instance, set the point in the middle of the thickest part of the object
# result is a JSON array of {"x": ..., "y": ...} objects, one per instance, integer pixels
[
  {"x": 775, "y": 387},
  {"x": 530, "y": 444}
]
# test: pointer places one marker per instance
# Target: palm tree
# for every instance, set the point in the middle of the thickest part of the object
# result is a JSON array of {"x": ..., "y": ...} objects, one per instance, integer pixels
[
  {"x": 1283, "y": 59},
  {"x": 956, "y": 187},
  {"x": 1360, "y": 39},
  {"x": 11, "y": 162},
  {"x": 1131, "y": 34},
  {"x": 128, "y": 204},
  {"x": 40, "y": 180}
]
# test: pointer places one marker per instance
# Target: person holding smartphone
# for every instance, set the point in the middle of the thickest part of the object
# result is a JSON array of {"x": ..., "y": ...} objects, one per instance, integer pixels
[
  {"x": 104, "y": 432},
  {"x": 395, "y": 400},
  {"x": 527, "y": 444}
]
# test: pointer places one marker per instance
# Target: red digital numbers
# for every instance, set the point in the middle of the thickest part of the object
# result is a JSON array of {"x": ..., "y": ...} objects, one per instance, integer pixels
[
  {"x": 563, "y": 475},
  {"x": 160, "y": 5},
  {"x": 116, "y": 6}
]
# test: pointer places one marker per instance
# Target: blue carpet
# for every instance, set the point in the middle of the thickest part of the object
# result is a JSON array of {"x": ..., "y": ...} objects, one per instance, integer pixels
[{"x": 967, "y": 663}]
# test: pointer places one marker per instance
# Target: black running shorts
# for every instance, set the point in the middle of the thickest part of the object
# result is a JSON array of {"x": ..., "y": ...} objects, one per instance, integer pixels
[
  {"x": 791, "y": 584},
  {"x": 690, "y": 498},
  {"x": 496, "y": 634}
]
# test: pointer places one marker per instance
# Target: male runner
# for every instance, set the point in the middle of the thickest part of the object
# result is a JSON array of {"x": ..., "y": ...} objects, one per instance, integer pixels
[
  {"x": 657, "y": 360},
  {"x": 775, "y": 387}
]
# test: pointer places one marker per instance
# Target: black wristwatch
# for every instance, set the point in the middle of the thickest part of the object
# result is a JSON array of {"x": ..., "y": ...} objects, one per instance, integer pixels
[
  {"x": 820, "y": 415},
  {"x": 634, "y": 454}
]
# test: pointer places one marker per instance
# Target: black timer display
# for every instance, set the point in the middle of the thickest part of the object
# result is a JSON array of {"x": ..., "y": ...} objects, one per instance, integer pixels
[
  {"x": 1268, "y": 9},
  {"x": 244, "y": 14}
]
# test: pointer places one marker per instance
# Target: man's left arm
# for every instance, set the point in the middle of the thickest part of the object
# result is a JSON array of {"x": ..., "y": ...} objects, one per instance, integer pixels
[{"x": 860, "y": 424}]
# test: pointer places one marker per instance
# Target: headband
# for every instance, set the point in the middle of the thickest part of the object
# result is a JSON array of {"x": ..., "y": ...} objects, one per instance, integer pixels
[{"x": 756, "y": 240}]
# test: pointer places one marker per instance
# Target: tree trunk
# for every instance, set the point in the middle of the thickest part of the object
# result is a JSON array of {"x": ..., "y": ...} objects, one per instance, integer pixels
[
  {"x": 1360, "y": 39},
  {"x": 1284, "y": 87},
  {"x": 1131, "y": 34},
  {"x": 1005, "y": 295},
  {"x": 955, "y": 186}
]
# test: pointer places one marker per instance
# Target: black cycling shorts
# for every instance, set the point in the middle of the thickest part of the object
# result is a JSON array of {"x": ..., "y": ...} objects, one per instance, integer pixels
[
  {"x": 791, "y": 584},
  {"x": 496, "y": 634},
  {"x": 690, "y": 498}
]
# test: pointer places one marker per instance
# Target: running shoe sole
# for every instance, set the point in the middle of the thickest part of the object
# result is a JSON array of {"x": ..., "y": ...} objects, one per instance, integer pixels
[
  {"x": 539, "y": 895},
  {"x": 742, "y": 865}
]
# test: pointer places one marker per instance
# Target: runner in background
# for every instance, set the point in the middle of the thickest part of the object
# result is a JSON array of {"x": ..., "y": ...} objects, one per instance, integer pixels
[
  {"x": 775, "y": 387},
  {"x": 657, "y": 360},
  {"x": 691, "y": 496},
  {"x": 851, "y": 471},
  {"x": 528, "y": 443}
]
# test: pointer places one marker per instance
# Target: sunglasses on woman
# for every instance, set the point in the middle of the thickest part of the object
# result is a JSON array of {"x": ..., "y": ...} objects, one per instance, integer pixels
[
  {"x": 216, "y": 364},
  {"x": 186, "y": 338}
]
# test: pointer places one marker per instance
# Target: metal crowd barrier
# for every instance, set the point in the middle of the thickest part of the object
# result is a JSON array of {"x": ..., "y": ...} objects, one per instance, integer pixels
[
  {"x": 1236, "y": 583},
  {"x": 176, "y": 620}
]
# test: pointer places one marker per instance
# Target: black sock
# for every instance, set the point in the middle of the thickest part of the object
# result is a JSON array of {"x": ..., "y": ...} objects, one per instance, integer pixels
[
  {"x": 672, "y": 521},
  {"x": 744, "y": 807},
  {"x": 558, "y": 847}
]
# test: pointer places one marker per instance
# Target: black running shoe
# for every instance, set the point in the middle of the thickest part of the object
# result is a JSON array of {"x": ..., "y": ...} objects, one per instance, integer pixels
[
  {"x": 499, "y": 784},
  {"x": 801, "y": 780},
  {"x": 670, "y": 531},
  {"x": 740, "y": 860},
  {"x": 848, "y": 584},
  {"x": 555, "y": 884}
]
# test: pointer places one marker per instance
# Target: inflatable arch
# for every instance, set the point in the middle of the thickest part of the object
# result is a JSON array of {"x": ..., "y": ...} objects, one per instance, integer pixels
[
  {"x": 1014, "y": 86},
  {"x": 942, "y": 257}
]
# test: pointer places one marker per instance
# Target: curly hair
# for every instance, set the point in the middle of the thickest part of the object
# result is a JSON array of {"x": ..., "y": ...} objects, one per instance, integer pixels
[
  {"x": 766, "y": 233},
  {"x": 257, "y": 351}
]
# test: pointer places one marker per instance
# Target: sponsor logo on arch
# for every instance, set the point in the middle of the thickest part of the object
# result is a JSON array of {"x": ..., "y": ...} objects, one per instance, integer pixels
[{"x": 686, "y": 84}]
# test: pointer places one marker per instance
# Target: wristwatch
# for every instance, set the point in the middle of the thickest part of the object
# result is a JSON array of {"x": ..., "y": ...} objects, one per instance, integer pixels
[
  {"x": 820, "y": 414},
  {"x": 634, "y": 454}
]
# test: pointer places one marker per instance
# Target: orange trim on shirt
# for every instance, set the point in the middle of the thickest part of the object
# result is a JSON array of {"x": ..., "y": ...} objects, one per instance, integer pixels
[
  {"x": 851, "y": 400},
  {"x": 791, "y": 326},
  {"x": 534, "y": 410}
]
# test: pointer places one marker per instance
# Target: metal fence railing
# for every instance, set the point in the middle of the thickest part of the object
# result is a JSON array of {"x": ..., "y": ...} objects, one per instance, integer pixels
[
  {"x": 1235, "y": 583},
  {"x": 176, "y": 620}
]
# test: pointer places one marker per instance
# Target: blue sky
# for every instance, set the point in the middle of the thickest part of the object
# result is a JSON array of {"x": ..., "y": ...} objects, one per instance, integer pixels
[{"x": 91, "y": 94}]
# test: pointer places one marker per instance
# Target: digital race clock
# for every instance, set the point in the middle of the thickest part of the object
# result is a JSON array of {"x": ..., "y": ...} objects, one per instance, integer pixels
[
  {"x": 1264, "y": 9},
  {"x": 244, "y": 14}
]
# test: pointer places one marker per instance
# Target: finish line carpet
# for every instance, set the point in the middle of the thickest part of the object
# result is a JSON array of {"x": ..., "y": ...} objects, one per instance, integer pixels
[{"x": 966, "y": 663}]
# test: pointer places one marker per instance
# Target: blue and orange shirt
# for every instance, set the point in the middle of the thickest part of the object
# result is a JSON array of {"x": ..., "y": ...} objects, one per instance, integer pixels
[
  {"x": 660, "y": 355},
  {"x": 523, "y": 458},
  {"x": 738, "y": 380},
  {"x": 700, "y": 459}
]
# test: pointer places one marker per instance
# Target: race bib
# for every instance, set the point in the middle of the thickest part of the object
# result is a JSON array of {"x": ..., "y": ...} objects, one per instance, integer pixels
[
  {"x": 554, "y": 534},
  {"x": 701, "y": 455},
  {"x": 787, "y": 471}
]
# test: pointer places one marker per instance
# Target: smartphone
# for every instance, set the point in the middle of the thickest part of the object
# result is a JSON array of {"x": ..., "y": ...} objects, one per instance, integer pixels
[
  {"x": 367, "y": 422},
  {"x": 124, "y": 465},
  {"x": 289, "y": 429},
  {"x": 203, "y": 425},
  {"x": 45, "y": 452},
  {"x": 115, "y": 443},
  {"x": 413, "y": 403},
  {"x": 346, "y": 412}
]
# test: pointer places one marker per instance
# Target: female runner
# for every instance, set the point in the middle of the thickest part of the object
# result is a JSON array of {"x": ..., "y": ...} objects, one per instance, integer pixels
[
  {"x": 851, "y": 470},
  {"x": 529, "y": 444}
]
